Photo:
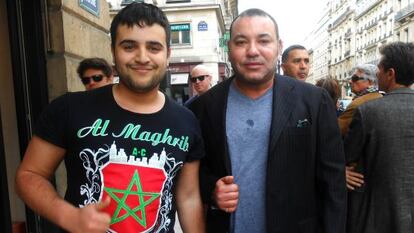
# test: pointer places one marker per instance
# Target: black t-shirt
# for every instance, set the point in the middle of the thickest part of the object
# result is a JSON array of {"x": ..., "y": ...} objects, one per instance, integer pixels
[{"x": 132, "y": 158}]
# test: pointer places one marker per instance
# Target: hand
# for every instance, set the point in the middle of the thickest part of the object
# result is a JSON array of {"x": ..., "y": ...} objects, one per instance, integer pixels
[
  {"x": 91, "y": 219},
  {"x": 353, "y": 179},
  {"x": 226, "y": 194}
]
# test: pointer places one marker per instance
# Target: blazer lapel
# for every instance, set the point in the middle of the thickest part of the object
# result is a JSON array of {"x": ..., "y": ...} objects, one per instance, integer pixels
[
  {"x": 283, "y": 103},
  {"x": 218, "y": 112}
]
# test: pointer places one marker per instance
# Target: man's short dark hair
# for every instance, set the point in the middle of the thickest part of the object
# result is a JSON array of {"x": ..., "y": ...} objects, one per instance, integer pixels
[
  {"x": 400, "y": 57},
  {"x": 255, "y": 12},
  {"x": 140, "y": 14},
  {"x": 285, "y": 54},
  {"x": 94, "y": 63}
]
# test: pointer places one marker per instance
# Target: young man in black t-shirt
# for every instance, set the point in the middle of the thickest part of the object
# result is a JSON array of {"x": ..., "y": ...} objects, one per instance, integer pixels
[{"x": 132, "y": 155}]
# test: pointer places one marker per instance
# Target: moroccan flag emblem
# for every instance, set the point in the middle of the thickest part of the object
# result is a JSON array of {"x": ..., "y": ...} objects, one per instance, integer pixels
[{"x": 135, "y": 193}]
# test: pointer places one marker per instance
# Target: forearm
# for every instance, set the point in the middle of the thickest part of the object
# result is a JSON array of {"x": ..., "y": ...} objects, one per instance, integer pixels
[
  {"x": 40, "y": 195},
  {"x": 190, "y": 214}
]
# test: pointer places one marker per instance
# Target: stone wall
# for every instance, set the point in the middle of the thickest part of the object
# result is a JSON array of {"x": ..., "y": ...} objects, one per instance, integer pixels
[{"x": 74, "y": 34}]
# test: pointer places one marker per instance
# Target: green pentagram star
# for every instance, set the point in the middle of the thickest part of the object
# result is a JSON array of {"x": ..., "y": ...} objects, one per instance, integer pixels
[{"x": 122, "y": 205}]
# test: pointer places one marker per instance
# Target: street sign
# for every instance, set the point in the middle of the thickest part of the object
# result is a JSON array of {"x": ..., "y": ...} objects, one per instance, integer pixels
[{"x": 92, "y": 6}]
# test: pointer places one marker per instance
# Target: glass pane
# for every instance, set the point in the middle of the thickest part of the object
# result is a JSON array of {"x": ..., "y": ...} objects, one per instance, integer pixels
[
  {"x": 175, "y": 37},
  {"x": 186, "y": 37}
]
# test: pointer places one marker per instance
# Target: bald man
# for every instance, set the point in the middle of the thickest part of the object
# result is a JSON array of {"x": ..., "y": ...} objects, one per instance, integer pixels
[{"x": 200, "y": 79}]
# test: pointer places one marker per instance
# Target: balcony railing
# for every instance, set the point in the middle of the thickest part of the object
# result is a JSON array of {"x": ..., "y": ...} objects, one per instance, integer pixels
[{"x": 404, "y": 12}]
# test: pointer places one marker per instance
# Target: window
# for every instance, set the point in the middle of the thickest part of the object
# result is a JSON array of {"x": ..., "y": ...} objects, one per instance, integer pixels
[
  {"x": 180, "y": 34},
  {"x": 406, "y": 35}
]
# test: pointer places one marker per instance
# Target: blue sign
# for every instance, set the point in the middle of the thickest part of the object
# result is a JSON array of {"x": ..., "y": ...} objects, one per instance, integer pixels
[
  {"x": 92, "y": 6},
  {"x": 202, "y": 26}
]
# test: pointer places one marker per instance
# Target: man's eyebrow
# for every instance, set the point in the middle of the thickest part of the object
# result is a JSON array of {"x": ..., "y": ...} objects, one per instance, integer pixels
[
  {"x": 127, "y": 42},
  {"x": 265, "y": 34},
  {"x": 238, "y": 36},
  {"x": 155, "y": 43}
]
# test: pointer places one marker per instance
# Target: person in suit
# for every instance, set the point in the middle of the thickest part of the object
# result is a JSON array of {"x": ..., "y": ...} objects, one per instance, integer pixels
[
  {"x": 295, "y": 62},
  {"x": 380, "y": 140},
  {"x": 274, "y": 156}
]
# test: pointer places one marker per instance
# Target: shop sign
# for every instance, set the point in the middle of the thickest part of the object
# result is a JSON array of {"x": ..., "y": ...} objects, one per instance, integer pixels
[{"x": 180, "y": 27}]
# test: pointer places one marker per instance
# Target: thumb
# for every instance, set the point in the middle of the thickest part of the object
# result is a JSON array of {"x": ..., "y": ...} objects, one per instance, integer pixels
[
  {"x": 103, "y": 204},
  {"x": 228, "y": 179}
]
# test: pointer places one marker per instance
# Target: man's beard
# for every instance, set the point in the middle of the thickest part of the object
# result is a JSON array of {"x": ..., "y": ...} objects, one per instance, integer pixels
[
  {"x": 142, "y": 88},
  {"x": 254, "y": 82}
]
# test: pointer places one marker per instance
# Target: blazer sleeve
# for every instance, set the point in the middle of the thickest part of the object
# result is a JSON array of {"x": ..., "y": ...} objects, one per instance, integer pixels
[
  {"x": 207, "y": 178},
  {"x": 330, "y": 169},
  {"x": 355, "y": 139}
]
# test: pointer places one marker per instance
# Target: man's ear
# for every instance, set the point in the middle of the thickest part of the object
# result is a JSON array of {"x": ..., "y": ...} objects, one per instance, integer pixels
[
  {"x": 283, "y": 67},
  {"x": 391, "y": 73}
]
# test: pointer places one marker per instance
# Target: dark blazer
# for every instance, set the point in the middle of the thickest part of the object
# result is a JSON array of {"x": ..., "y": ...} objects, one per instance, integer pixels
[
  {"x": 381, "y": 140},
  {"x": 305, "y": 185}
]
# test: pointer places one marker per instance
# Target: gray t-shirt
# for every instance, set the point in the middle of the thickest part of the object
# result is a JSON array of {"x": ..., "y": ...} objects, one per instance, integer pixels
[{"x": 248, "y": 128}]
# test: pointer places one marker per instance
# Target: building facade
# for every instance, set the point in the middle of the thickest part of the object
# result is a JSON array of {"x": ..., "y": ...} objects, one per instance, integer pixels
[
  {"x": 341, "y": 47},
  {"x": 374, "y": 28},
  {"x": 404, "y": 20},
  {"x": 356, "y": 31},
  {"x": 196, "y": 29},
  {"x": 318, "y": 42}
]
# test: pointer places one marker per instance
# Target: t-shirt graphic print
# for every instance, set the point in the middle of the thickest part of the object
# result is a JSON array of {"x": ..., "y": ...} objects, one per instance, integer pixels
[{"x": 135, "y": 186}]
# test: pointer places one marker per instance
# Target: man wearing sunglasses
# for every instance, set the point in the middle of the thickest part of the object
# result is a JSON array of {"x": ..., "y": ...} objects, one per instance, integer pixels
[
  {"x": 94, "y": 73},
  {"x": 363, "y": 85},
  {"x": 200, "y": 80}
]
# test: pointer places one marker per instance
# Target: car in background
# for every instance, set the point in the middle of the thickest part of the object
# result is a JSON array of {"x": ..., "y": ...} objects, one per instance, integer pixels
[{"x": 343, "y": 104}]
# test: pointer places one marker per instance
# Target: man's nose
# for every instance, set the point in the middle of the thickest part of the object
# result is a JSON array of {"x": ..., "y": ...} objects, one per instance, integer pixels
[
  {"x": 252, "y": 50},
  {"x": 142, "y": 55}
]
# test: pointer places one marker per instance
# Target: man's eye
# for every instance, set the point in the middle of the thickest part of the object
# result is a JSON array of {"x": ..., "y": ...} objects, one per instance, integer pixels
[
  {"x": 128, "y": 47},
  {"x": 154, "y": 48},
  {"x": 240, "y": 42}
]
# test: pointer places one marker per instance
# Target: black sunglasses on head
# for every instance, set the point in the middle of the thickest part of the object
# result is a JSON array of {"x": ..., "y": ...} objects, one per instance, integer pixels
[
  {"x": 356, "y": 78},
  {"x": 200, "y": 78},
  {"x": 96, "y": 78}
]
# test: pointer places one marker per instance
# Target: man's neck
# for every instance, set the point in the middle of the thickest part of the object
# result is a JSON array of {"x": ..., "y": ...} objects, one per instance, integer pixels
[
  {"x": 396, "y": 86},
  {"x": 253, "y": 91},
  {"x": 146, "y": 102}
]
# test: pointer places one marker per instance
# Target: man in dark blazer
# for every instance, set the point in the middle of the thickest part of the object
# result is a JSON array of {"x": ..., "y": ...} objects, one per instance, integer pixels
[
  {"x": 274, "y": 157},
  {"x": 380, "y": 140}
]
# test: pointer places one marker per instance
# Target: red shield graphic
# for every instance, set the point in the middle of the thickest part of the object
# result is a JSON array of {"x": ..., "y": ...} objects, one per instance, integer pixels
[{"x": 135, "y": 193}]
